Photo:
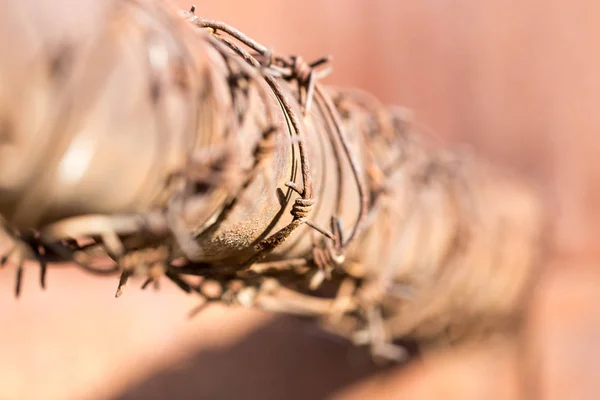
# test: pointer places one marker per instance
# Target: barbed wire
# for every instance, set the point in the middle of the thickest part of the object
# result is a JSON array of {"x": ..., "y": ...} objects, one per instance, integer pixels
[{"x": 256, "y": 172}]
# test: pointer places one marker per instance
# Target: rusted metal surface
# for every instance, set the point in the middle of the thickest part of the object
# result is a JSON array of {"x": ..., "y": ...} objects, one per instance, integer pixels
[{"x": 170, "y": 145}]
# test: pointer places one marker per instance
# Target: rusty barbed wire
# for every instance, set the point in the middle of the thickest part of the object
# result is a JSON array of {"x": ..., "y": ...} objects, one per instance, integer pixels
[{"x": 254, "y": 184}]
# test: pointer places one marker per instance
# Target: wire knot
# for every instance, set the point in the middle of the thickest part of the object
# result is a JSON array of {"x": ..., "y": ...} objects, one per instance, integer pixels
[
  {"x": 302, "y": 207},
  {"x": 300, "y": 70}
]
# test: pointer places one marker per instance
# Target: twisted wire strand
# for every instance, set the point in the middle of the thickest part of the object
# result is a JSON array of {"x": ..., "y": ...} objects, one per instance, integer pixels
[{"x": 295, "y": 68}]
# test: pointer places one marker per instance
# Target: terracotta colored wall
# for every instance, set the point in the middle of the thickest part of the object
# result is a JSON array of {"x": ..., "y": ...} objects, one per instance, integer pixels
[{"x": 518, "y": 80}]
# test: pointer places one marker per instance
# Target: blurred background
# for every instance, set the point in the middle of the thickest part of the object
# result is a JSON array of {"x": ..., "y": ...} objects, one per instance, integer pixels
[{"x": 518, "y": 82}]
